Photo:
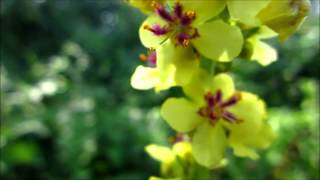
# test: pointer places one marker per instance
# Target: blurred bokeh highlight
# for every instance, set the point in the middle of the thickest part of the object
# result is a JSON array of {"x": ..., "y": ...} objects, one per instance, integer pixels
[{"x": 68, "y": 111}]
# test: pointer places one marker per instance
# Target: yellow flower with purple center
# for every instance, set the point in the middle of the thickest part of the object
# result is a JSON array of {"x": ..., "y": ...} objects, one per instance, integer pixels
[
  {"x": 219, "y": 116},
  {"x": 185, "y": 24}
]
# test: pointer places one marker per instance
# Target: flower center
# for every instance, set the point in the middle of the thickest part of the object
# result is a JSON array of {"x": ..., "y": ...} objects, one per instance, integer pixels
[
  {"x": 150, "y": 58},
  {"x": 178, "y": 24},
  {"x": 216, "y": 108}
]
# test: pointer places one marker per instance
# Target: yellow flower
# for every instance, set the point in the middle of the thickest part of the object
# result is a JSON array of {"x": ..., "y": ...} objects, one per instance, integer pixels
[
  {"x": 173, "y": 160},
  {"x": 185, "y": 24},
  {"x": 167, "y": 68},
  {"x": 148, "y": 77},
  {"x": 219, "y": 116},
  {"x": 284, "y": 16}
]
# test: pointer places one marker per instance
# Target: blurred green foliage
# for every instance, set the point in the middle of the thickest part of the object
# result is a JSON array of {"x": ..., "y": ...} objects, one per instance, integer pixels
[{"x": 68, "y": 111}]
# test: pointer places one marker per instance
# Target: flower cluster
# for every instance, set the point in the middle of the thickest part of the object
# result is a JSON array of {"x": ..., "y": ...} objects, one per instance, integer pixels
[{"x": 180, "y": 36}]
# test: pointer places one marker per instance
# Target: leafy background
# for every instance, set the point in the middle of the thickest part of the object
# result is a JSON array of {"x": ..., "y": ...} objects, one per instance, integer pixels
[{"x": 68, "y": 111}]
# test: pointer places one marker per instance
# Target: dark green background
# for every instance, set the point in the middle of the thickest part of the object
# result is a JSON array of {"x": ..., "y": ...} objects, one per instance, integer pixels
[{"x": 68, "y": 111}]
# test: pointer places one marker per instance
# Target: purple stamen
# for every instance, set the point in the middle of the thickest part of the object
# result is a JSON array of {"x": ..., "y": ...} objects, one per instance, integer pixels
[
  {"x": 233, "y": 100},
  {"x": 157, "y": 29},
  {"x": 210, "y": 100},
  {"x": 213, "y": 116},
  {"x": 218, "y": 96},
  {"x": 216, "y": 108},
  {"x": 164, "y": 14},
  {"x": 178, "y": 10},
  {"x": 182, "y": 37},
  {"x": 185, "y": 20},
  {"x": 152, "y": 58},
  {"x": 177, "y": 20},
  {"x": 228, "y": 116},
  {"x": 230, "y": 102}
]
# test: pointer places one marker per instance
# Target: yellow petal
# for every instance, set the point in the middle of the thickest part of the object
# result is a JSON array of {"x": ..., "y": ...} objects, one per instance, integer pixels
[
  {"x": 145, "y": 78},
  {"x": 218, "y": 40},
  {"x": 263, "y": 139},
  {"x": 246, "y": 11},
  {"x": 244, "y": 146},
  {"x": 166, "y": 78},
  {"x": 285, "y": 16},
  {"x": 262, "y": 52},
  {"x": 160, "y": 153},
  {"x": 182, "y": 149},
  {"x": 265, "y": 32},
  {"x": 224, "y": 83},
  {"x": 208, "y": 144},
  {"x": 185, "y": 66},
  {"x": 243, "y": 151},
  {"x": 251, "y": 110},
  {"x": 180, "y": 114},
  {"x": 204, "y": 9},
  {"x": 147, "y": 38},
  {"x": 198, "y": 86},
  {"x": 183, "y": 59}
]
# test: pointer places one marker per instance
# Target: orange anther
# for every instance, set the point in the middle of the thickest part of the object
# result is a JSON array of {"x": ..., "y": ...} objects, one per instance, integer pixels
[
  {"x": 186, "y": 43},
  {"x": 146, "y": 27},
  {"x": 155, "y": 5},
  {"x": 143, "y": 57},
  {"x": 191, "y": 14}
]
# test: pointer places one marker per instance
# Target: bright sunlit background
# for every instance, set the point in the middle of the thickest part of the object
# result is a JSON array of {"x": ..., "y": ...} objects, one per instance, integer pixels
[{"x": 68, "y": 111}]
